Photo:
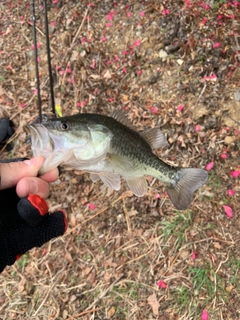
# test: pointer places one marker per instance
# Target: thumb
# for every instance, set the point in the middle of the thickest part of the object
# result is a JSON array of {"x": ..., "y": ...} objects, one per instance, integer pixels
[{"x": 12, "y": 172}]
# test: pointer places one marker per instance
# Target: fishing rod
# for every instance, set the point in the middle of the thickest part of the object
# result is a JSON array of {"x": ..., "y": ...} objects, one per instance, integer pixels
[
  {"x": 36, "y": 60},
  {"x": 48, "y": 58}
]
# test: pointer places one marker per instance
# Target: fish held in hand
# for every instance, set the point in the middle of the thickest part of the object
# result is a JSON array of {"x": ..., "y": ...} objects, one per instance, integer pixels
[{"x": 110, "y": 149}]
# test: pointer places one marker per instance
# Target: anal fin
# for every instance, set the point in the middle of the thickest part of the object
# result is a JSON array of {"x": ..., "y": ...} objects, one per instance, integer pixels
[{"x": 138, "y": 186}]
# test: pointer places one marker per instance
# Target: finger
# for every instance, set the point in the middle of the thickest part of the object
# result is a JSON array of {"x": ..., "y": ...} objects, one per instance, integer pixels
[
  {"x": 32, "y": 209},
  {"x": 32, "y": 185},
  {"x": 12, "y": 172},
  {"x": 50, "y": 176}
]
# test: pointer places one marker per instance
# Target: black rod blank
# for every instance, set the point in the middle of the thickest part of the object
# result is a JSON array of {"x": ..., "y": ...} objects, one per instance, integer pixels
[
  {"x": 36, "y": 61},
  {"x": 49, "y": 58}
]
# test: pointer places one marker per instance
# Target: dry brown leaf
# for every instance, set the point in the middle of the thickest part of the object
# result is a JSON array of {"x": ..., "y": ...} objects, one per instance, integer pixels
[
  {"x": 72, "y": 220},
  {"x": 217, "y": 245},
  {"x": 107, "y": 75},
  {"x": 111, "y": 312},
  {"x": 21, "y": 284},
  {"x": 153, "y": 302},
  {"x": 69, "y": 257},
  {"x": 94, "y": 76}
]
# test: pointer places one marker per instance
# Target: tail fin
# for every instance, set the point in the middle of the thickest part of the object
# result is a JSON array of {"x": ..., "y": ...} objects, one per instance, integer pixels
[{"x": 185, "y": 183}]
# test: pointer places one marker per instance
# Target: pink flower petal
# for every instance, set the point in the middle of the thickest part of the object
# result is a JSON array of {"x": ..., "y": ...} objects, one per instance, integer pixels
[
  {"x": 230, "y": 193},
  {"x": 104, "y": 39},
  {"x": 212, "y": 77},
  {"x": 180, "y": 107},
  {"x": 204, "y": 315},
  {"x": 139, "y": 72},
  {"x": 82, "y": 103},
  {"x": 93, "y": 65},
  {"x": 235, "y": 173},
  {"x": 194, "y": 255},
  {"x": 22, "y": 105},
  {"x": 153, "y": 109},
  {"x": 209, "y": 166},
  {"x": 129, "y": 14},
  {"x": 71, "y": 80},
  {"x": 204, "y": 6},
  {"x": 161, "y": 284},
  {"x": 142, "y": 13},
  {"x": 38, "y": 45},
  {"x": 198, "y": 128},
  {"x": 188, "y": 3},
  {"x": 217, "y": 45},
  {"x": 228, "y": 211},
  {"x": 204, "y": 20},
  {"x": 137, "y": 43},
  {"x": 91, "y": 206},
  {"x": 157, "y": 196},
  {"x": 224, "y": 156},
  {"x": 165, "y": 12}
]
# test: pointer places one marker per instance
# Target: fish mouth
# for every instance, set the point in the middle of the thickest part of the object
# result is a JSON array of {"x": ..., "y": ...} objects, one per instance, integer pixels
[{"x": 41, "y": 141}]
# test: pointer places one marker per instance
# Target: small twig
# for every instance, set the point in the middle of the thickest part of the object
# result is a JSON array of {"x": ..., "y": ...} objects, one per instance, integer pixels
[
  {"x": 138, "y": 258},
  {"x": 42, "y": 33},
  {"x": 215, "y": 279},
  {"x": 80, "y": 27},
  {"x": 222, "y": 263},
  {"x": 73, "y": 41},
  {"x": 84, "y": 312},
  {"x": 126, "y": 193},
  {"x": 215, "y": 239},
  {"x": 200, "y": 96},
  {"x": 104, "y": 293},
  {"x": 127, "y": 216},
  {"x": 44, "y": 300}
]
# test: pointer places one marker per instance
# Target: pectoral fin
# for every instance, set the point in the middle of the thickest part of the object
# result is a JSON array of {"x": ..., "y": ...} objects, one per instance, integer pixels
[
  {"x": 94, "y": 177},
  {"x": 138, "y": 186}
]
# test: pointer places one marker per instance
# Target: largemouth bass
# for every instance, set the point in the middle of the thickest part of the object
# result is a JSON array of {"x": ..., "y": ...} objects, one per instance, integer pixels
[{"x": 110, "y": 149}]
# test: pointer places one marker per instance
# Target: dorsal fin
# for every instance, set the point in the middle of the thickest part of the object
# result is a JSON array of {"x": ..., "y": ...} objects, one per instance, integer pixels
[
  {"x": 154, "y": 137},
  {"x": 121, "y": 116}
]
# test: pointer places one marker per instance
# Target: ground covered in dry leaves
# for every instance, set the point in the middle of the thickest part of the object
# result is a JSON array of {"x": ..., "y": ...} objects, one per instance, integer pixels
[{"x": 168, "y": 63}]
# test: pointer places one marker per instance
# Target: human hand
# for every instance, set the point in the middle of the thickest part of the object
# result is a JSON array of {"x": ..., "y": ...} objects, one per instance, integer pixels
[
  {"x": 25, "y": 223},
  {"x": 23, "y": 175}
]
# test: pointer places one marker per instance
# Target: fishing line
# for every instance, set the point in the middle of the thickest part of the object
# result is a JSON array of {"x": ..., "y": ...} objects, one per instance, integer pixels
[{"x": 48, "y": 58}]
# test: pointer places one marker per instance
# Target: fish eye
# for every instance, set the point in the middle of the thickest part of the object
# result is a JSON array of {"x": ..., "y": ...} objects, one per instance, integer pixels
[{"x": 64, "y": 126}]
